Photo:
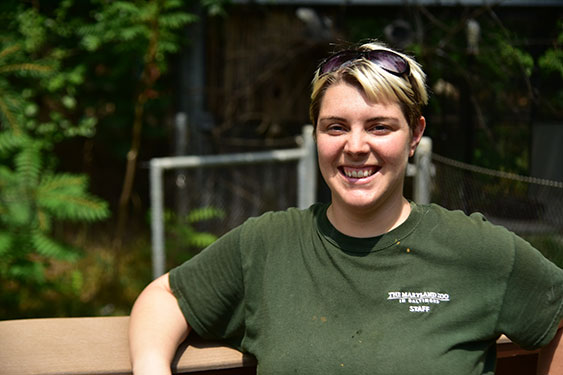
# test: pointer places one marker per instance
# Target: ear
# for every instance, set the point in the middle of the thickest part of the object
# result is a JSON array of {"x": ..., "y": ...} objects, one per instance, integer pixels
[{"x": 417, "y": 133}]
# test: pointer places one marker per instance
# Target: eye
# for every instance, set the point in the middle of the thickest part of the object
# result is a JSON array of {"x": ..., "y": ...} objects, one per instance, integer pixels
[
  {"x": 379, "y": 128},
  {"x": 335, "y": 128}
]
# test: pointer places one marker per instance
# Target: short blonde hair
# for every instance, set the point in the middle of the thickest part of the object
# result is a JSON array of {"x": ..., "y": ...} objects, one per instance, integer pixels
[{"x": 378, "y": 84}]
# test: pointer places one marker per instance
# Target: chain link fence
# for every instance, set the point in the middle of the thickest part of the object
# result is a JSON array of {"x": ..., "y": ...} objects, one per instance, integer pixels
[
  {"x": 237, "y": 192},
  {"x": 204, "y": 203},
  {"x": 528, "y": 206}
]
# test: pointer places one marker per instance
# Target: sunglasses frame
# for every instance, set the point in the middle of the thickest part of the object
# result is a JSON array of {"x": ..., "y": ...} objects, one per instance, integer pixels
[{"x": 377, "y": 56}]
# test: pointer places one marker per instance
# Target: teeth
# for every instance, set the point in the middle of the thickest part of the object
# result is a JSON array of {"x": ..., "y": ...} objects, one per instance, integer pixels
[{"x": 358, "y": 173}]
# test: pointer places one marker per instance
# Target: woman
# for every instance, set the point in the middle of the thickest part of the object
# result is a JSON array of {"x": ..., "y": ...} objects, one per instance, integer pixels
[{"x": 371, "y": 283}]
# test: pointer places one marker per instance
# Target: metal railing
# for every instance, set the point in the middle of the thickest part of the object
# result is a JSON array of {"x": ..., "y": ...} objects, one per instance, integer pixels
[{"x": 306, "y": 181}]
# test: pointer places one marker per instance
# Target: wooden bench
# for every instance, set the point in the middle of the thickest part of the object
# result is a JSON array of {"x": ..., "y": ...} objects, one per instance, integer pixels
[{"x": 98, "y": 346}]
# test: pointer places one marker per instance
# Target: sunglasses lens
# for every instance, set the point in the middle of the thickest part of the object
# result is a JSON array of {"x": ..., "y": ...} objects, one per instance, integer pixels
[
  {"x": 387, "y": 60},
  {"x": 336, "y": 61}
]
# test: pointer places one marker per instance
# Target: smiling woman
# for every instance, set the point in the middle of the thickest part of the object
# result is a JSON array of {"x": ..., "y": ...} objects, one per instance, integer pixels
[
  {"x": 369, "y": 283},
  {"x": 363, "y": 149}
]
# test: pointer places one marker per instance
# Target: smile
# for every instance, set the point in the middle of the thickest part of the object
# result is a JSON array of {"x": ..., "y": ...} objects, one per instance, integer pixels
[{"x": 358, "y": 172}]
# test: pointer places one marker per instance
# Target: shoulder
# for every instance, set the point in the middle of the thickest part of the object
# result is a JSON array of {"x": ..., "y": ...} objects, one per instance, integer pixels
[
  {"x": 275, "y": 228},
  {"x": 273, "y": 236},
  {"x": 470, "y": 237},
  {"x": 464, "y": 224},
  {"x": 282, "y": 221}
]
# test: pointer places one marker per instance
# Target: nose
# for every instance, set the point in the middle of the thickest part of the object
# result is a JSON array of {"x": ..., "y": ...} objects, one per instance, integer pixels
[{"x": 356, "y": 143}]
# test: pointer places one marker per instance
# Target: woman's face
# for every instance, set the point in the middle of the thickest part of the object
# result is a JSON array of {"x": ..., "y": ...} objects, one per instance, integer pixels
[{"x": 363, "y": 149}]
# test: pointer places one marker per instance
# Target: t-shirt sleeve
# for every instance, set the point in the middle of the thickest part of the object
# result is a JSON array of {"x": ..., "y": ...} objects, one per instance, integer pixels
[
  {"x": 533, "y": 300},
  {"x": 210, "y": 290}
]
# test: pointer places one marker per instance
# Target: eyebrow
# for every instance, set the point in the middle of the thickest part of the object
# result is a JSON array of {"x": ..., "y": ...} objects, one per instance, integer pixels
[
  {"x": 384, "y": 119},
  {"x": 371, "y": 119},
  {"x": 332, "y": 118}
]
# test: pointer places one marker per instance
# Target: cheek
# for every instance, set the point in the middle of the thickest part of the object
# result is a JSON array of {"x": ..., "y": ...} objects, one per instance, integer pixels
[
  {"x": 395, "y": 151},
  {"x": 326, "y": 149},
  {"x": 327, "y": 155}
]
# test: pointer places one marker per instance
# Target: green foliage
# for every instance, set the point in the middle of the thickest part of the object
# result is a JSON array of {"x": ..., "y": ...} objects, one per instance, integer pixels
[
  {"x": 551, "y": 65},
  {"x": 184, "y": 237},
  {"x": 492, "y": 91},
  {"x": 127, "y": 26},
  {"x": 72, "y": 69},
  {"x": 552, "y": 60},
  {"x": 31, "y": 199},
  {"x": 33, "y": 196},
  {"x": 12, "y": 62}
]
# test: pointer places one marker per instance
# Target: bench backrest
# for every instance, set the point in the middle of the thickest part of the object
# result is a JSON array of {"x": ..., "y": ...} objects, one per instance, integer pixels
[
  {"x": 80, "y": 346},
  {"x": 94, "y": 346}
]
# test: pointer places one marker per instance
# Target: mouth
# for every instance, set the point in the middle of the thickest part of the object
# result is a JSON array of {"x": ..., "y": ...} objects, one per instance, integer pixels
[{"x": 358, "y": 173}]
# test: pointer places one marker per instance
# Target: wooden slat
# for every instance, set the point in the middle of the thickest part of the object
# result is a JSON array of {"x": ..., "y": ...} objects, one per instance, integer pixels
[
  {"x": 80, "y": 346},
  {"x": 506, "y": 348},
  {"x": 99, "y": 346}
]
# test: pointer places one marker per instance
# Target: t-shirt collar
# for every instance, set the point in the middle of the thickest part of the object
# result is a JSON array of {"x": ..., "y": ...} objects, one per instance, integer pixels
[{"x": 366, "y": 245}]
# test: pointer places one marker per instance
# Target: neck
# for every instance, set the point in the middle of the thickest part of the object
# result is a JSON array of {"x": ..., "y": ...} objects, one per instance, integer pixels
[{"x": 369, "y": 223}]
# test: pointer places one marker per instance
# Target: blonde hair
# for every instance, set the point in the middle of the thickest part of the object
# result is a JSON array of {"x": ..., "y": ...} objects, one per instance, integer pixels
[{"x": 378, "y": 84}]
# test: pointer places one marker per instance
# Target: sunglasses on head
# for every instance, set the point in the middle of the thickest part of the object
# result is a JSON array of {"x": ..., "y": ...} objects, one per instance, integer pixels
[{"x": 387, "y": 60}]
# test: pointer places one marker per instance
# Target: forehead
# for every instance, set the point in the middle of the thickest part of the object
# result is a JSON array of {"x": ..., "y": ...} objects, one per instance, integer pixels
[{"x": 345, "y": 99}]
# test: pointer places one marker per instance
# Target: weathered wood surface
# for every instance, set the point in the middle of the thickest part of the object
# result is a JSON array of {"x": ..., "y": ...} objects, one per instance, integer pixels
[
  {"x": 77, "y": 346},
  {"x": 99, "y": 346}
]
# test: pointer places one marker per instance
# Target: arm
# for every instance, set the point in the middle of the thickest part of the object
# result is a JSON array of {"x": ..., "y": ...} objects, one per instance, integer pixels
[
  {"x": 156, "y": 328},
  {"x": 550, "y": 360}
]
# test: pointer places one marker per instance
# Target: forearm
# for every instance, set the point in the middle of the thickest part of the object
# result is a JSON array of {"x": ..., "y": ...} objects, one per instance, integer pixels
[
  {"x": 550, "y": 360},
  {"x": 156, "y": 328}
]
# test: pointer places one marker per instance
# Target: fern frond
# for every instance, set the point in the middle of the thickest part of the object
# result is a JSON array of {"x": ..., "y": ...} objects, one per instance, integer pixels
[
  {"x": 177, "y": 19},
  {"x": 28, "y": 164},
  {"x": 5, "y": 243},
  {"x": 130, "y": 33},
  {"x": 10, "y": 140},
  {"x": 25, "y": 67},
  {"x": 205, "y": 213},
  {"x": 65, "y": 197},
  {"x": 7, "y": 113},
  {"x": 74, "y": 207},
  {"x": 28, "y": 271},
  {"x": 17, "y": 211},
  {"x": 7, "y": 176},
  {"x": 51, "y": 249},
  {"x": 9, "y": 50},
  {"x": 63, "y": 183},
  {"x": 201, "y": 239},
  {"x": 125, "y": 7},
  {"x": 172, "y": 4},
  {"x": 44, "y": 221}
]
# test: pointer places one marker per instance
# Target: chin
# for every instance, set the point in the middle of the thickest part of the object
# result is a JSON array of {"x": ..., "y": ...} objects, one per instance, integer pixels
[{"x": 361, "y": 205}]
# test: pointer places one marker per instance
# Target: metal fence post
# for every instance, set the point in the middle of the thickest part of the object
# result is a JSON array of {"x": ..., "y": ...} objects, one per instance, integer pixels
[
  {"x": 423, "y": 175},
  {"x": 157, "y": 220},
  {"x": 307, "y": 170}
]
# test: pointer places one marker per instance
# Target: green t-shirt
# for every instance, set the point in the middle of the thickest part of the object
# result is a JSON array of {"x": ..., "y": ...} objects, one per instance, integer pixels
[{"x": 429, "y": 297}]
